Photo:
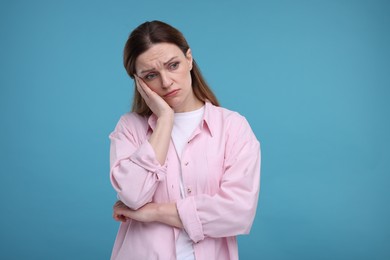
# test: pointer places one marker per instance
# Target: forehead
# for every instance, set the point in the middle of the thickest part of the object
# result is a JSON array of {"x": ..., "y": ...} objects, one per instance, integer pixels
[{"x": 157, "y": 54}]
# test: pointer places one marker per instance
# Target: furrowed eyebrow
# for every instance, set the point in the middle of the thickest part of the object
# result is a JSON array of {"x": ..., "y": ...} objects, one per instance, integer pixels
[
  {"x": 165, "y": 63},
  {"x": 146, "y": 71}
]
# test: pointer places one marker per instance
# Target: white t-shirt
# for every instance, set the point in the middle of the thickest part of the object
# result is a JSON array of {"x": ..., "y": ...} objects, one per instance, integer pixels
[{"x": 183, "y": 127}]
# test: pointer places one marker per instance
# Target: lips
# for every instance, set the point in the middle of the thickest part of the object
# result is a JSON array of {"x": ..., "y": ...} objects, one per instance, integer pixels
[{"x": 172, "y": 93}]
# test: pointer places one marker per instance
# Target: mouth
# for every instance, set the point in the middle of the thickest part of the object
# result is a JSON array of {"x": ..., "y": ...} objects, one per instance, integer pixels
[{"x": 172, "y": 93}]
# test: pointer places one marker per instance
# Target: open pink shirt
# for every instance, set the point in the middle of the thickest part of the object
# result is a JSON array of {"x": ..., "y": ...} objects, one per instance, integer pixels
[{"x": 221, "y": 175}]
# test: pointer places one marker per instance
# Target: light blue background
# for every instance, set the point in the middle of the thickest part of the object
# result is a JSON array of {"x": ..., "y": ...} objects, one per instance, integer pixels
[{"x": 312, "y": 78}]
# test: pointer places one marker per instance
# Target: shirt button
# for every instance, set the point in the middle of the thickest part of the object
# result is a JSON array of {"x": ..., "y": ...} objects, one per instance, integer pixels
[
  {"x": 186, "y": 163},
  {"x": 189, "y": 190}
]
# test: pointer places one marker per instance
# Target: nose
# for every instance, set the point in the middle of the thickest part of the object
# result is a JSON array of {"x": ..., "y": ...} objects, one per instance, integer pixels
[{"x": 166, "y": 80}]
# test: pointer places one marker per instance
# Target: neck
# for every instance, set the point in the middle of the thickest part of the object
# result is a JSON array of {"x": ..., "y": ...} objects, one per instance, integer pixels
[{"x": 191, "y": 106}]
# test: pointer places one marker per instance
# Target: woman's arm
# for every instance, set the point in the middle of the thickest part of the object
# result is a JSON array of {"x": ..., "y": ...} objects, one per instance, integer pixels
[
  {"x": 165, "y": 213},
  {"x": 161, "y": 135},
  {"x": 232, "y": 209},
  {"x": 137, "y": 166},
  {"x": 134, "y": 169}
]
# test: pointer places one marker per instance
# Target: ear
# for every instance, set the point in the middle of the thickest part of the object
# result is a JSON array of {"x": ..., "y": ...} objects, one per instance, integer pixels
[{"x": 189, "y": 58}]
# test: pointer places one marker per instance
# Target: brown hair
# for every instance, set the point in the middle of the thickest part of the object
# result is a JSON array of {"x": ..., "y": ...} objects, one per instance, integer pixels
[{"x": 141, "y": 39}]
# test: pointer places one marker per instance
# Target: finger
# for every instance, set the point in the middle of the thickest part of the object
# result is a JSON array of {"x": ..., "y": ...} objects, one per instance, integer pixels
[
  {"x": 117, "y": 205},
  {"x": 116, "y": 217},
  {"x": 119, "y": 217},
  {"x": 123, "y": 211},
  {"x": 141, "y": 87},
  {"x": 120, "y": 209},
  {"x": 122, "y": 218},
  {"x": 149, "y": 93}
]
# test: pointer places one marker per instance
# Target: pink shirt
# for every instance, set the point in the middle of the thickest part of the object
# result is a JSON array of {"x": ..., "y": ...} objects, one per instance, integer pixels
[{"x": 221, "y": 174}]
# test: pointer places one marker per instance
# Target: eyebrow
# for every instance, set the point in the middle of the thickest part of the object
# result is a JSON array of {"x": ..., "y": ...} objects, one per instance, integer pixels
[{"x": 165, "y": 63}]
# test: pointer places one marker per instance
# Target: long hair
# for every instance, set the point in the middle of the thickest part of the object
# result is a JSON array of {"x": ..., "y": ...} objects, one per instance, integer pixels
[{"x": 140, "y": 40}]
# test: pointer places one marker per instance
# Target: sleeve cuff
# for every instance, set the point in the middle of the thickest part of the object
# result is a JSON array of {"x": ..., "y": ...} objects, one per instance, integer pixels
[
  {"x": 190, "y": 219},
  {"x": 146, "y": 158}
]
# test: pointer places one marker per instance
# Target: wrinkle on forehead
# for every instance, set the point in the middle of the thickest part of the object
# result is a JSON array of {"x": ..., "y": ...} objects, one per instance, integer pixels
[{"x": 156, "y": 56}]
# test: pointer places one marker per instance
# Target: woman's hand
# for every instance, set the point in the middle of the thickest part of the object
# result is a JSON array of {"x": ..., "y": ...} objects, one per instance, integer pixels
[
  {"x": 161, "y": 136},
  {"x": 165, "y": 213},
  {"x": 156, "y": 103},
  {"x": 144, "y": 214}
]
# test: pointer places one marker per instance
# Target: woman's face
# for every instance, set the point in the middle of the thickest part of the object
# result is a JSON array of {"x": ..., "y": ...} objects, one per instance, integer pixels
[{"x": 166, "y": 70}]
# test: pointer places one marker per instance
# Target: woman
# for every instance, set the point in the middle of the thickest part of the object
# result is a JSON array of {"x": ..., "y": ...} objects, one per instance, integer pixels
[{"x": 187, "y": 172}]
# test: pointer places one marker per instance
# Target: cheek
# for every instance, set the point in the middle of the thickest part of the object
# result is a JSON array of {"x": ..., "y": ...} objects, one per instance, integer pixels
[
  {"x": 185, "y": 77},
  {"x": 188, "y": 79}
]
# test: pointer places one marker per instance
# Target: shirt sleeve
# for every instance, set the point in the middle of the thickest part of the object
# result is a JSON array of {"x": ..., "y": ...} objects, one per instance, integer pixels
[
  {"x": 232, "y": 209},
  {"x": 134, "y": 169}
]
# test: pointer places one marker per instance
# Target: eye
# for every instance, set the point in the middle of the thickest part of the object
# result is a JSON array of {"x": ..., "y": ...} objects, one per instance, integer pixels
[
  {"x": 150, "y": 76},
  {"x": 174, "y": 65}
]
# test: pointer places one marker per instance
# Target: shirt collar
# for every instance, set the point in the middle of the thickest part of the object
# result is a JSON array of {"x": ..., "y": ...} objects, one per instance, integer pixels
[{"x": 207, "y": 122}]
